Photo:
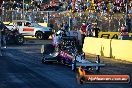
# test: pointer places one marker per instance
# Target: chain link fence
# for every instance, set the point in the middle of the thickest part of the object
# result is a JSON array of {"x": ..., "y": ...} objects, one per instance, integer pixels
[{"x": 106, "y": 22}]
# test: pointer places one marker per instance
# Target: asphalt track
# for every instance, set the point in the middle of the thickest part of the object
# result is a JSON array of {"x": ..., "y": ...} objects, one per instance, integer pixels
[{"x": 21, "y": 67}]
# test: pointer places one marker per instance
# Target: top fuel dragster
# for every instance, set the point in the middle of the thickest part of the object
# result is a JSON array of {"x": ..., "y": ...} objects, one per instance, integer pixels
[{"x": 67, "y": 50}]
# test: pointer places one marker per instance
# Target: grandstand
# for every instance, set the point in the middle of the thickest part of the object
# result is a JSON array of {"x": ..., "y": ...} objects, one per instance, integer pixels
[{"x": 81, "y": 10}]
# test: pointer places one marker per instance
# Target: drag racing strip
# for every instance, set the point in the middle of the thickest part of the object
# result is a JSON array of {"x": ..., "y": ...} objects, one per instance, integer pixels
[
  {"x": 53, "y": 72},
  {"x": 113, "y": 66},
  {"x": 61, "y": 76},
  {"x": 17, "y": 75}
]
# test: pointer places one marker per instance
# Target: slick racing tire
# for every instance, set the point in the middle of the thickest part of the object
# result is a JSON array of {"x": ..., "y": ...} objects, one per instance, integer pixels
[
  {"x": 39, "y": 35},
  {"x": 19, "y": 39}
]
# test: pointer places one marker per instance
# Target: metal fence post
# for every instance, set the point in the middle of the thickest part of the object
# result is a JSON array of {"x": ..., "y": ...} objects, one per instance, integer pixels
[
  {"x": 1, "y": 1},
  {"x": 47, "y": 18},
  {"x": 23, "y": 10},
  {"x": 69, "y": 23},
  {"x": 0, "y": 41},
  {"x": 126, "y": 14}
]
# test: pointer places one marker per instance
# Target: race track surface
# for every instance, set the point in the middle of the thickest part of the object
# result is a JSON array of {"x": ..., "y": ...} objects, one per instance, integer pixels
[{"x": 21, "y": 67}]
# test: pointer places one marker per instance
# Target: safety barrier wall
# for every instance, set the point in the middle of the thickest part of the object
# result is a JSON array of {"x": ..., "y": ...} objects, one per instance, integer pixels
[
  {"x": 119, "y": 49},
  {"x": 122, "y": 49},
  {"x": 98, "y": 46}
]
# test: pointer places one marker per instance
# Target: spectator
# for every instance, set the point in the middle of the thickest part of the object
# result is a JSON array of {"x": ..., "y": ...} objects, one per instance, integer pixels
[
  {"x": 96, "y": 31},
  {"x": 66, "y": 26},
  {"x": 83, "y": 31},
  {"x": 14, "y": 5},
  {"x": 122, "y": 29},
  {"x": 89, "y": 30},
  {"x": 129, "y": 23},
  {"x": 51, "y": 25}
]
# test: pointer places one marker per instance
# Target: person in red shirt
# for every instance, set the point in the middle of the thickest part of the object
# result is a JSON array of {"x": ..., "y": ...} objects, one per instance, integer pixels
[{"x": 83, "y": 31}]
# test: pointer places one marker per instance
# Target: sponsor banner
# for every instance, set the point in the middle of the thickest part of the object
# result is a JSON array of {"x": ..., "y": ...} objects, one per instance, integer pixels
[
  {"x": 111, "y": 35},
  {"x": 107, "y": 78}
]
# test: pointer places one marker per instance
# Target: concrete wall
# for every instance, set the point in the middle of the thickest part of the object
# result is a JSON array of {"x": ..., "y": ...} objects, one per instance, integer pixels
[{"x": 118, "y": 49}]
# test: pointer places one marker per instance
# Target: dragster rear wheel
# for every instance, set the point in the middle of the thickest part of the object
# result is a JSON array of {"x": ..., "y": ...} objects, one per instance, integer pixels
[{"x": 19, "y": 39}]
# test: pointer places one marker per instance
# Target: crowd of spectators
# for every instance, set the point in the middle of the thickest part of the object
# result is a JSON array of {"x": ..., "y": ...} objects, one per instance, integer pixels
[
  {"x": 100, "y": 6},
  {"x": 73, "y": 5},
  {"x": 96, "y": 5},
  {"x": 18, "y": 5}
]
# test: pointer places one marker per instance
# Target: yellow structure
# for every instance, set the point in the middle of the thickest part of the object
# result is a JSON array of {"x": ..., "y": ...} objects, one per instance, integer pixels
[
  {"x": 6, "y": 22},
  {"x": 43, "y": 24},
  {"x": 118, "y": 49},
  {"x": 108, "y": 35},
  {"x": 97, "y": 46},
  {"x": 122, "y": 49}
]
